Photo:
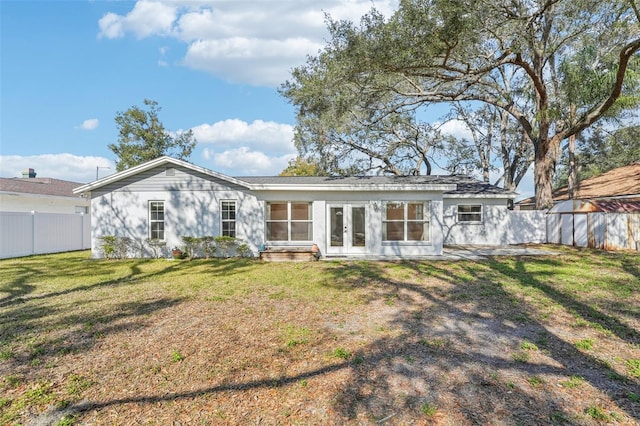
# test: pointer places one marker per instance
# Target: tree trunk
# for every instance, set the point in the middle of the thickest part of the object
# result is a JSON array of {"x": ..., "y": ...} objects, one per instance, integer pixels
[
  {"x": 572, "y": 185},
  {"x": 504, "y": 149},
  {"x": 543, "y": 171},
  {"x": 573, "y": 167}
]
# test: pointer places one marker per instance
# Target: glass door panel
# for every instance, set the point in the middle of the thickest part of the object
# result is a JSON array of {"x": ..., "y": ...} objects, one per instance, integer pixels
[
  {"x": 336, "y": 220},
  {"x": 347, "y": 228},
  {"x": 358, "y": 228}
]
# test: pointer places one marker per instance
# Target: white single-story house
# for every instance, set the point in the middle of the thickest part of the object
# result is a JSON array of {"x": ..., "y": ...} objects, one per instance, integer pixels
[{"x": 359, "y": 216}]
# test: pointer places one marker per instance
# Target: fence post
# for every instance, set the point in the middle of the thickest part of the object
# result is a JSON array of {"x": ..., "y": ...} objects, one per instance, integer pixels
[
  {"x": 33, "y": 232},
  {"x": 82, "y": 230}
]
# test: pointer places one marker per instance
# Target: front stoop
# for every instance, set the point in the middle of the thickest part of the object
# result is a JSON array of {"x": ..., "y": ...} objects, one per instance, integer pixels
[{"x": 289, "y": 254}]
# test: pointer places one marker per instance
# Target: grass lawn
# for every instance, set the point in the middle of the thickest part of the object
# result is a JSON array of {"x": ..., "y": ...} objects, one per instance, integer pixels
[{"x": 509, "y": 340}]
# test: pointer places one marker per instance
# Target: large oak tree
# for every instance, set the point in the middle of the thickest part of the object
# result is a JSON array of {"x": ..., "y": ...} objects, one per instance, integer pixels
[{"x": 441, "y": 51}]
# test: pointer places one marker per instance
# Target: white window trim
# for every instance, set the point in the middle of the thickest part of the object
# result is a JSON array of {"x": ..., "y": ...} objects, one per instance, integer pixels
[
  {"x": 426, "y": 206},
  {"x": 288, "y": 221},
  {"x": 235, "y": 220},
  {"x": 164, "y": 229},
  {"x": 470, "y": 213}
]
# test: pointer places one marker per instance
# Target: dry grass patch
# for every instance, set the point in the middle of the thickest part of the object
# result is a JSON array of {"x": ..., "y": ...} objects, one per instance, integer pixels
[{"x": 238, "y": 341}]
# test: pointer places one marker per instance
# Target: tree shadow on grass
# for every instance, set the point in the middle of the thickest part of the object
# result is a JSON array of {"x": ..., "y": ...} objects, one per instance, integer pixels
[
  {"x": 19, "y": 288},
  {"x": 37, "y": 324},
  {"x": 418, "y": 366},
  {"x": 454, "y": 339},
  {"x": 631, "y": 264},
  {"x": 77, "y": 332},
  {"x": 39, "y": 328},
  {"x": 587, "y": 312},
  {"x": 441, "y": 350}
]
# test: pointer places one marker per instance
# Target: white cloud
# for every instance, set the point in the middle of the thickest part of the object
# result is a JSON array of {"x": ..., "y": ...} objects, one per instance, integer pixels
[
  {"x": 146, "y": 19},
  {"x": 90, "y": 124},
  {"x": 111, "y": 26},
  {"x": 236, "y": 147},
  {"x": 70, "y": 167},
  {"x": 457, "y": 129},
  {"x": 275, "y": 137},
  {"x": 255, "y": 61},
  {"x": 244, "y": 161},
  {"x": 255, "y": 42},
  {"x": 267, "y": 19}
]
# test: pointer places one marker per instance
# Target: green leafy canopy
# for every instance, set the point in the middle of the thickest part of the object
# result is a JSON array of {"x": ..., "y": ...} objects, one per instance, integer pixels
[{"x": 142, "y": 137}]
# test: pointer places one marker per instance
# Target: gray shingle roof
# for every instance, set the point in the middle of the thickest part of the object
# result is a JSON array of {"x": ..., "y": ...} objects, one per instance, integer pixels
[
  {"x": 39, "y": 186},
  {"x": 343, "y": 180},
  {"x": 465, "y": 184}
]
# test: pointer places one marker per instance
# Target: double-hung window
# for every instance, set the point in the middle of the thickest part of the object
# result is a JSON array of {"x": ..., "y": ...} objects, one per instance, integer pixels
[
  {"x": 228, "y": 218},
  {"x": 406, "y": 221},
  {"x": 289, "y": 221},
  {"x": 156, "y": 220},
  {"x": 469, "y": 212}
]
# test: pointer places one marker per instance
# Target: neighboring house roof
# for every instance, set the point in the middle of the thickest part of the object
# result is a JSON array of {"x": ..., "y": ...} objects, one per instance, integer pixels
[
  {"x": 39, "y": 186},
  {"x": 611, "y": 205},
  {"x": 623, "y": 182},
  {"x": 453, "y": 185}
]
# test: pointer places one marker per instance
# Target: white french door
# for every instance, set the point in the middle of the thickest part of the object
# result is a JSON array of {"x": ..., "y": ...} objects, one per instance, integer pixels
[{"x": 347, "y": 228}]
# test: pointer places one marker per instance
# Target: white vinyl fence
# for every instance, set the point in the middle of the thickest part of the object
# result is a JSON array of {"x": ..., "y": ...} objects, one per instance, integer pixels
[
  {"x": 608, "y": 231},
  {"x": 27, "y": 233},
  {"x": 527, "y": 227}
]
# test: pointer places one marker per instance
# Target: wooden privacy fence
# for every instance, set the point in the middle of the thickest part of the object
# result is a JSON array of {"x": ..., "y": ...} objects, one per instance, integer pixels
[
  {"x": 608, "y": 231},
  {"x": 27, "y": 233}
]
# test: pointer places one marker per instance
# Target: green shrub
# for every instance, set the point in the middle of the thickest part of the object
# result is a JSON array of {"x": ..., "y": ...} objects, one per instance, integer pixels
[
  {"x": 227, "y": 245},
  {"x": 123, "y": 246},
  {"x": 108, "y": 246},
  {"x": 191, "y": 246},
  {"x": 115, "y": 247},
  {"x": 208, "y": 246},
  {"x": 156, "y": 246},
  {"x": 244, "y": 250}
]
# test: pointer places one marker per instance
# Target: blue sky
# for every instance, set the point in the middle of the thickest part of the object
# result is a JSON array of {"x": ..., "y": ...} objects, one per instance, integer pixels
[{"x": 68, "y": 67}]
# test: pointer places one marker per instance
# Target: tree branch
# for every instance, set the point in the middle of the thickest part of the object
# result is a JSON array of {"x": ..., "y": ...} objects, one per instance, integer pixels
[{"x": 595, "y": 113}]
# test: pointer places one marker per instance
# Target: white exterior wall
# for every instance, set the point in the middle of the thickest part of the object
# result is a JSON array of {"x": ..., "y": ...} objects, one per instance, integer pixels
[
  {"x": 373, "y": 202},
  {"x": 41, "y": 203},
  {"x": 493, "y": 230},
  {"x": 191, "y": 208},
  {"x": 499, "y": 226},
  {"x": 186, "y": 213}
]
